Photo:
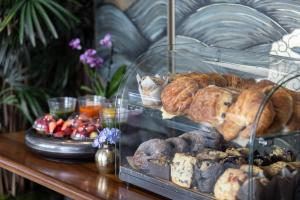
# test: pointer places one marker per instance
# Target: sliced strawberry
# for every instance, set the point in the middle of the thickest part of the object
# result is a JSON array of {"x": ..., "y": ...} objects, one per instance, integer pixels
[
  {"x": 57, "y": 128},
  {"x": 68, "y": 131},
  {"x": 66, "y": 124},
  {"x": 60, "y": 122},
  {"x": 52, "y": 126},
  {"x": 59, "y": 134}
]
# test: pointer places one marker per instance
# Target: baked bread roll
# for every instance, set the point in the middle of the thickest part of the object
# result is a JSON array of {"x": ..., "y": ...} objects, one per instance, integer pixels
[
  {"x": 202, "y": 79},
  {"x": 229, "y": 184},
  {"x": 218, "y": 79},
  {"x": 177, "y": 96},
  {"x": 210, "y": 105},
  {"x": 238, "y": 82},
  {"x": 282, "y": 101},
  {"x": 294, "y": 122},
  {"x": 283, "y": 106},
  {"x": 241, "y": 115}
]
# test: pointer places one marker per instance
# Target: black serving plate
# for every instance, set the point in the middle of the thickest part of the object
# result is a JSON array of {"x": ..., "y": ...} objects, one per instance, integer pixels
[{"x": 59, "y": 149}]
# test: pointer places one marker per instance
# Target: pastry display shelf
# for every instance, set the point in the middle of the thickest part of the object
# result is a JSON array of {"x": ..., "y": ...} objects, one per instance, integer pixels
[
  {"x": 185, "y": 125},
  {"x": 179, "y": 123},
  {"x": 160, "y": 186}
]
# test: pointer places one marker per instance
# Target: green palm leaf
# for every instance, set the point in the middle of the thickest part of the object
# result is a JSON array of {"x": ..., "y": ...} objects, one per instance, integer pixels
[
  {"x": 22, "y": 25},
  {"x": 56, "y": 13},
  {"x": 38, "y": 26},
  {"x": 29, "y": 23},
  {"x": 11, "y": 14},
  {"x": 46, "y": 18},
  {"x": 62, "y": 10}
]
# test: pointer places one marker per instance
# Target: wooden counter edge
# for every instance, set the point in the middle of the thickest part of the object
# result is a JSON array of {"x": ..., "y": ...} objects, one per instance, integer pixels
[{"x": 44, "y": 180}]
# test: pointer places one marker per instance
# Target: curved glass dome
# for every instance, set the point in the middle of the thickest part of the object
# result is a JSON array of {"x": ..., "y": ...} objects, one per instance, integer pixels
[{"x": 243, "y": 106}]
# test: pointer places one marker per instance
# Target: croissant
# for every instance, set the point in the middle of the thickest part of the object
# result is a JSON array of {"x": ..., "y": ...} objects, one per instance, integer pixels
[
  {"x": 241, "y": 115},
  {"x": 294, "y": 122},
  {"x": 238, "y": 82},
  {"x": 210, "y": 105},
  {"x": 177, "y": 96}
]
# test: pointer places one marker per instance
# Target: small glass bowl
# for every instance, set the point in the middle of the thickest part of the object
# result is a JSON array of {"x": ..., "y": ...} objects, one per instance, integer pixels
[
  {"x": 62, "y": 107},
  {"x": 91, "y": 105}
]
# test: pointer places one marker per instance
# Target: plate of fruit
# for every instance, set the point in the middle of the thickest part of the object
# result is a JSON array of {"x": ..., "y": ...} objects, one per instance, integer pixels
[
  {"x": 68, "y": 140},
  {"x": 76, "y": 127}
]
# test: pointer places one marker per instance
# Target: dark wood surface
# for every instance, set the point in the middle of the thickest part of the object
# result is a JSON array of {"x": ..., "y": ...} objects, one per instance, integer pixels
[{"x": 77, "y": 181}]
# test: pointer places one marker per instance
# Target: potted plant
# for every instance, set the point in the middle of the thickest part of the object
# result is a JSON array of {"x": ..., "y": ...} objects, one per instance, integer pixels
[
  {"x": 93, "y": 62},
  {"x": 106, "y": 156}
]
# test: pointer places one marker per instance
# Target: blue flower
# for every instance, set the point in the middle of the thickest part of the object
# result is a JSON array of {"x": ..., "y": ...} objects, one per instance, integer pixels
[{"x": 109, "y": 135}]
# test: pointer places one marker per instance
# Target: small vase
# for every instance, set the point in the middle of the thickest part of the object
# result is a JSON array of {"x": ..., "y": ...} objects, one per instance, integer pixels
[{"x": 106, "y": 159}]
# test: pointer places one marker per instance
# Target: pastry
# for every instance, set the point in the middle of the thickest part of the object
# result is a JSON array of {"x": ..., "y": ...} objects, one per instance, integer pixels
[
  {"x": 160, "y": 168},
  {"x": 202, "y": 79},
  {"x": 256, "y": 170},
  {"x": 233, "y": 162},
  {"x": 239, "y": 152},
  {"x": 287, "y": 107},
  {"x": 282, "y": 101},
  {"x": 177, "y": 96},
  {"x": 274, "y": 168},
  {"x": 241, "y": 115},
  {"x": 280, "y": 154},
  {"x": 212, "y": 139},
  {"x": 218, "y": 79},
  {"x": 182, "y": 169},
  {"x": 238, "y": 82},
  {"x": 210, "y": 105},
  {"x": 293, "y": 124},
  {"x": 229, "y": 184},
  {"x": 198, "y": 140},
  {"x": 179, "y": 145},
  {"x": 283, "y": 105},
  {"x": 151, "y": 150},
  {"x": 211, "y": 154},
  {"x": 261, "y": 160},
  {"x": 150, "y": 88},
  {"x": 195, "y": 141},
  {"x": 206, "y": 174}
]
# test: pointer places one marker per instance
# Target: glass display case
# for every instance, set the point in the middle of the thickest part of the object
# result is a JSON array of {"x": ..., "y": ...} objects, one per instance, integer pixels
[{"x": 213, "y": 124}]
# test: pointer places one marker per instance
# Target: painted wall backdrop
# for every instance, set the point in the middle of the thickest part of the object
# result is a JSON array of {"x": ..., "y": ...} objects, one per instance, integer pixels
[{"x": 264, "y": 26}]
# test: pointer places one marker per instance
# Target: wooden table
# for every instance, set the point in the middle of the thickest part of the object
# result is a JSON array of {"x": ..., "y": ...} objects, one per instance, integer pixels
[{"x": 77, "y": 181}]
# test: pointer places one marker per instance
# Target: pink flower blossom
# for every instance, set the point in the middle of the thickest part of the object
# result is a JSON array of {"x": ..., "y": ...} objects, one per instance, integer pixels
[{"x": 106, "y": 41}]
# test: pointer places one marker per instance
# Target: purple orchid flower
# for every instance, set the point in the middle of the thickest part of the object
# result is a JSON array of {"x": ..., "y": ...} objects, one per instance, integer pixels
[
  {"x": 89, "y": 57},
  {"x": 106, "y": 41},
  {"x": 75, "y": 44}
]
